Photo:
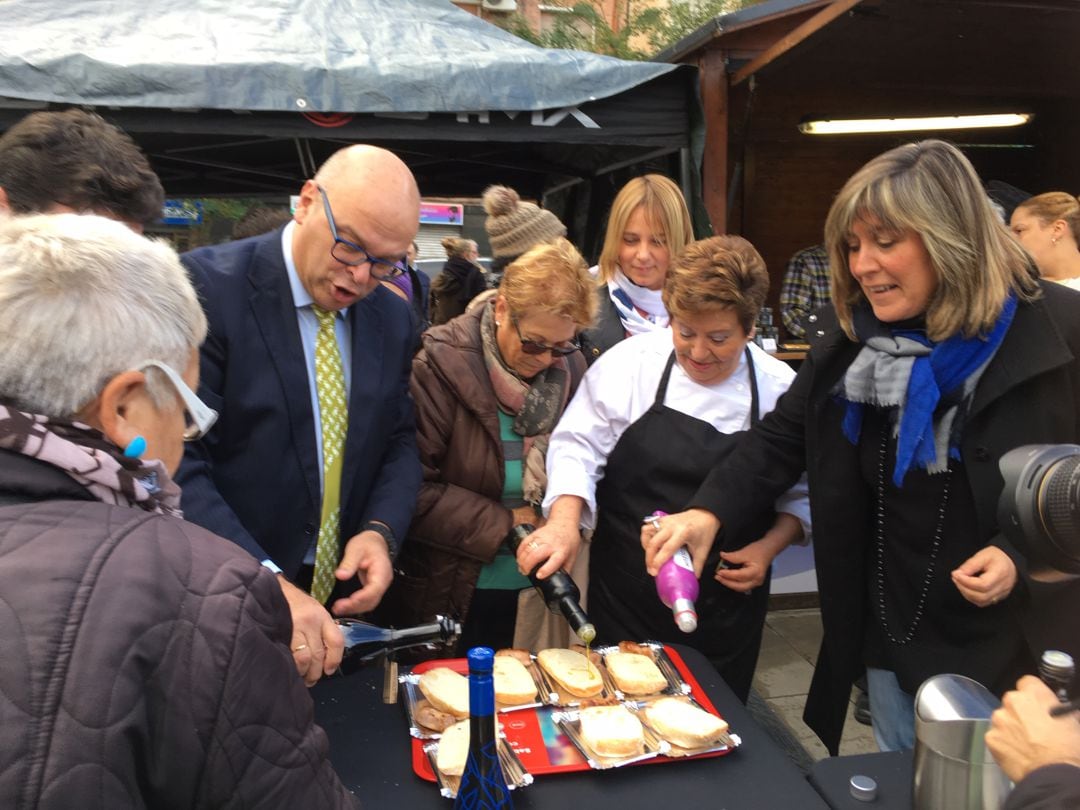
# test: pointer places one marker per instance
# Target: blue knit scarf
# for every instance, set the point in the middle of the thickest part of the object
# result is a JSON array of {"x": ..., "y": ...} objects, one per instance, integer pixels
[{"x": 902, "y": 368}]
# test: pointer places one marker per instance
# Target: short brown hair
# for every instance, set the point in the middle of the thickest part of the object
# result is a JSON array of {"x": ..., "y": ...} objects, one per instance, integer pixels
[
  {"x": 1055, "y": 205},
  {"x": 78, "y": 159},
  {"x": 664, "y": 207},
  {"x": 931, "y": 188},
  {"x": 718, "y": 273},
  {"x": 551, "y": 278}
]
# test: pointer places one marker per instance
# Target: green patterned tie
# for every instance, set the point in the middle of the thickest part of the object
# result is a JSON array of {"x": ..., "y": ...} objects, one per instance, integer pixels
[{"x": 333, "y": 413}]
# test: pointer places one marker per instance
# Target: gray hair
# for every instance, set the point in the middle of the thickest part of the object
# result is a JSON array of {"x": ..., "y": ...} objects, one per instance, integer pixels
[{"x": 83, "y": 298}]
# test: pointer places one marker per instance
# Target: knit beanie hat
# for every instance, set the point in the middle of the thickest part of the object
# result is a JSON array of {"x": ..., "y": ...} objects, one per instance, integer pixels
[{"x": 513, "y": 226}]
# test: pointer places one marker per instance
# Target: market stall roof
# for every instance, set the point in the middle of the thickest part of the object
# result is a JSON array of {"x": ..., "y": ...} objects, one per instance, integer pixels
[
  {"x": 231, "y": 97},
  {"x": 770, "y": 67}
]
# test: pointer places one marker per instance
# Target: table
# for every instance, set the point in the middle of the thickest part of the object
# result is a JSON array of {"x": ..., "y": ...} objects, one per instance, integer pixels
[
  {"x": 370, "y": 749},
  {"x": 891, "y": 770}
]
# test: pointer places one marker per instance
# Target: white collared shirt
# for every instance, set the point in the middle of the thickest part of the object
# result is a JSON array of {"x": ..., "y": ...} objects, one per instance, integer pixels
[{"x": 621, "y": 386}]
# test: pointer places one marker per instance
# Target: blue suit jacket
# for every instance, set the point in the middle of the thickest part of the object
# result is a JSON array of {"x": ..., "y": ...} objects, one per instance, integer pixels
[{"x": 254, "y": 478}]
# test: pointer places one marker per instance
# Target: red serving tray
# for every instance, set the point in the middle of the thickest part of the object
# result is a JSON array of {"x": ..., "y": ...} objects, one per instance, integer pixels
[{"x": 538, "y": 742}]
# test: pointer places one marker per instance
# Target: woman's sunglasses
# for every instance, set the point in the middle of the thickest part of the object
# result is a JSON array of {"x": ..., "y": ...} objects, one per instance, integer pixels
[{"x": 535, "y": 347}]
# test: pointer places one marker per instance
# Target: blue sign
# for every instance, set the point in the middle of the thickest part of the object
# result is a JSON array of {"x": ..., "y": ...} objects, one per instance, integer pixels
[{"x": 182, "y": 212}]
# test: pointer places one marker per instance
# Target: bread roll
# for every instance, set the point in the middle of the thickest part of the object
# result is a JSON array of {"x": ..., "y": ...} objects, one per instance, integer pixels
[
  {"x": 453, "y": 749},
  {"x": 684, "y": 724},
  {"x": 635, "y": 674},
  {"x": 571, "y": 671},
  {"x": 612, "y": 731},
  {"x": 524, "y": 656},
  {"x": 513, "y": 683},
  {"x": 446, "y": 690}
]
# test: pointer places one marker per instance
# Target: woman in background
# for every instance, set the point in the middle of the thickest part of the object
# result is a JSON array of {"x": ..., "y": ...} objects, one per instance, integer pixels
[
  {"x": 1048, "y": 226},
  {"x": 648, "y": 226},
  {"x": 514, "y": 227},
  {"x": 460, "y": 281}
]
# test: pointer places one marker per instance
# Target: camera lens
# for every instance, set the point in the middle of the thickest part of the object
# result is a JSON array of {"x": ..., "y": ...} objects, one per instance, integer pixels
[{"x": 1059, "y": 505}]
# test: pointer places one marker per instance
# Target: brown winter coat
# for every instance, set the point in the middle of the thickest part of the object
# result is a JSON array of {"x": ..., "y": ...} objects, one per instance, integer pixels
[
  {"x": 144, "y": 662},
  {"x": 459, "y": 521}
]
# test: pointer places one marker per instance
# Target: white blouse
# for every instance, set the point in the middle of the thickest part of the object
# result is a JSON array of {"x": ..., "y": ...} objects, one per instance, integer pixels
[{"x": 621, "y": 386}]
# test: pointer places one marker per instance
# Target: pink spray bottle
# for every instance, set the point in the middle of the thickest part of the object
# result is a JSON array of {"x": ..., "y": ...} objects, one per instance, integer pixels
[{"x": 676, "y": 584}]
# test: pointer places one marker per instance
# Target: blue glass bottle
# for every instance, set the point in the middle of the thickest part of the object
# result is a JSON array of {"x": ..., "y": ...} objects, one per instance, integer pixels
[{"x": 483, "y": 785}]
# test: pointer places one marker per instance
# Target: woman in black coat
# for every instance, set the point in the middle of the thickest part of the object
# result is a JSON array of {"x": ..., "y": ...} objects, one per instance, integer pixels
[
  {"x": 460, "y": 281},
  {"x": 946, "y": 353}
]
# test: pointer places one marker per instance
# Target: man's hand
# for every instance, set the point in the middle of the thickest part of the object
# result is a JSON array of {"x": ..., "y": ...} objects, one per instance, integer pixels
[
  {"x": 986, "y": 577},
  {"x": 367, "y": 558},
  {"x": 317, "y": 642},
  {"x": 695, "y": 528},
  {"x": 1023, "y": 736}
]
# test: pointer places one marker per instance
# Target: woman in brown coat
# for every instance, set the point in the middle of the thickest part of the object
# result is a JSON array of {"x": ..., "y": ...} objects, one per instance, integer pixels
[{"x": 489, "y": 387}]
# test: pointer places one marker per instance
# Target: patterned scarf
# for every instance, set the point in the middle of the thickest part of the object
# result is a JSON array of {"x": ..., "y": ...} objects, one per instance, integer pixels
[
  {"x": 905, "y": 370},
  {"x": 536, "y": 406},
  {"x": 640, "y": 309},
  {"x": 91, "y": 460}
]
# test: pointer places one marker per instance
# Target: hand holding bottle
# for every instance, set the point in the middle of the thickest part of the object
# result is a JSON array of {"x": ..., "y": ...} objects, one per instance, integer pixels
[
  {"x": 559, "y": 591},
  {"x": 677, "y": 584},
  {"x": 555, "y": 544},
  {"x": 695, "y": 528}
]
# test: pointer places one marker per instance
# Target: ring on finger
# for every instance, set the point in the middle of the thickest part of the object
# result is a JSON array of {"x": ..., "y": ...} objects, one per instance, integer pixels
[
  {"x": 533, "y": 545},
  {"x": 655, "y": 523},
  {"x": 301, "y": 647}
]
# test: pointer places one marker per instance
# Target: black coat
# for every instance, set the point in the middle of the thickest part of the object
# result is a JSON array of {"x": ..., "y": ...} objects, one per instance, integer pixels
[
  {"x": 1052, "y": 787},
  {"x": 606, "y": 332},
  {"x": 1028, "y": 394},
  {"x": 459, "y": 283}
]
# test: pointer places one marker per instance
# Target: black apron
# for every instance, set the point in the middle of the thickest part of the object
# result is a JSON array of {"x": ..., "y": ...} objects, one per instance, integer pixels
[{"x": 659, "y": 462}]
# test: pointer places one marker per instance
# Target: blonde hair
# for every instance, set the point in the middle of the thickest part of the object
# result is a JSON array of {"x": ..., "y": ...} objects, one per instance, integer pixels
[
  {"x": 1055, "y": 205},
  {"x": 718, "y": 273},
  {"x": 665, "y": 208},
  {"x": 931, "y": 188},
  {"x": 456, "y": 246},
  {"x": 551, "y": 278}
]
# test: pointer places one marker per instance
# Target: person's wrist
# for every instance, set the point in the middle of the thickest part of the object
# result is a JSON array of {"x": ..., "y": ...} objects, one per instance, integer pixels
[{"x": 386, "y": 533}]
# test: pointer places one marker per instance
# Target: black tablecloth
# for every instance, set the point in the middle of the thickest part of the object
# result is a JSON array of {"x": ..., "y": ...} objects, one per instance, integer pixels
[
  {"x": 370, "y": 748},
  {"x": 892, "y": 771}
]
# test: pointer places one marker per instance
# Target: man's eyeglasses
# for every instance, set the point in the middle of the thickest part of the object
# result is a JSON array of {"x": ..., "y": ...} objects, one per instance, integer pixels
[
  {"x": 200, "y": 416},
  {"x": 353, "y": 255},
  {"x": 536, "y": 347}
]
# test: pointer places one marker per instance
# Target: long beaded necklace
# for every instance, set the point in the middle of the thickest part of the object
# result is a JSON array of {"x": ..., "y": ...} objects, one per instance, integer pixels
[{"x": 935, "y": 547}]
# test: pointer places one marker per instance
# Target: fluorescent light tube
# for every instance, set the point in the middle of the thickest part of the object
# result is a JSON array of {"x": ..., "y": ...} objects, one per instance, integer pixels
[{"x": 854, "y": 125}]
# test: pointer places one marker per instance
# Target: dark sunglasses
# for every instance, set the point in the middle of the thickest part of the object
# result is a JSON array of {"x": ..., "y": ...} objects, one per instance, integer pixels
[{"x": 535, "y": 347}]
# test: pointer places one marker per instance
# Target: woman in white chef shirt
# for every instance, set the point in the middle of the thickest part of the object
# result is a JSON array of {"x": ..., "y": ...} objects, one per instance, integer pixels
[{"x": 651, "y": 418}]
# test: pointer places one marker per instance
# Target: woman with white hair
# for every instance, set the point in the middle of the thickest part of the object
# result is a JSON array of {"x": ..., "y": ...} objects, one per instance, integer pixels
[{"x": 130, "y": 636}]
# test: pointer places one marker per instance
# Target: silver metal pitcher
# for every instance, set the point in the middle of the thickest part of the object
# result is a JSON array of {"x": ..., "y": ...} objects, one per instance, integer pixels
[{"x": 953, "y": 768}]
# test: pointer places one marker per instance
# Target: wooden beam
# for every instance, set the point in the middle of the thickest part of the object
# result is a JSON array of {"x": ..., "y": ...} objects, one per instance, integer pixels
[
  {"x": 794, "y": 37},
  {"x": 714, "y": 171}
]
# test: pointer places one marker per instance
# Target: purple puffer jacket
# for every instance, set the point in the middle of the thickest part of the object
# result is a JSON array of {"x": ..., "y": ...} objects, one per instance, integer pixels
[{"x": 144, "y": 662}]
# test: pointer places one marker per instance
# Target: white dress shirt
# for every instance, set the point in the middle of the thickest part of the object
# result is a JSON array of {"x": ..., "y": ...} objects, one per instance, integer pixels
[{"x": 621, "y": 386}]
